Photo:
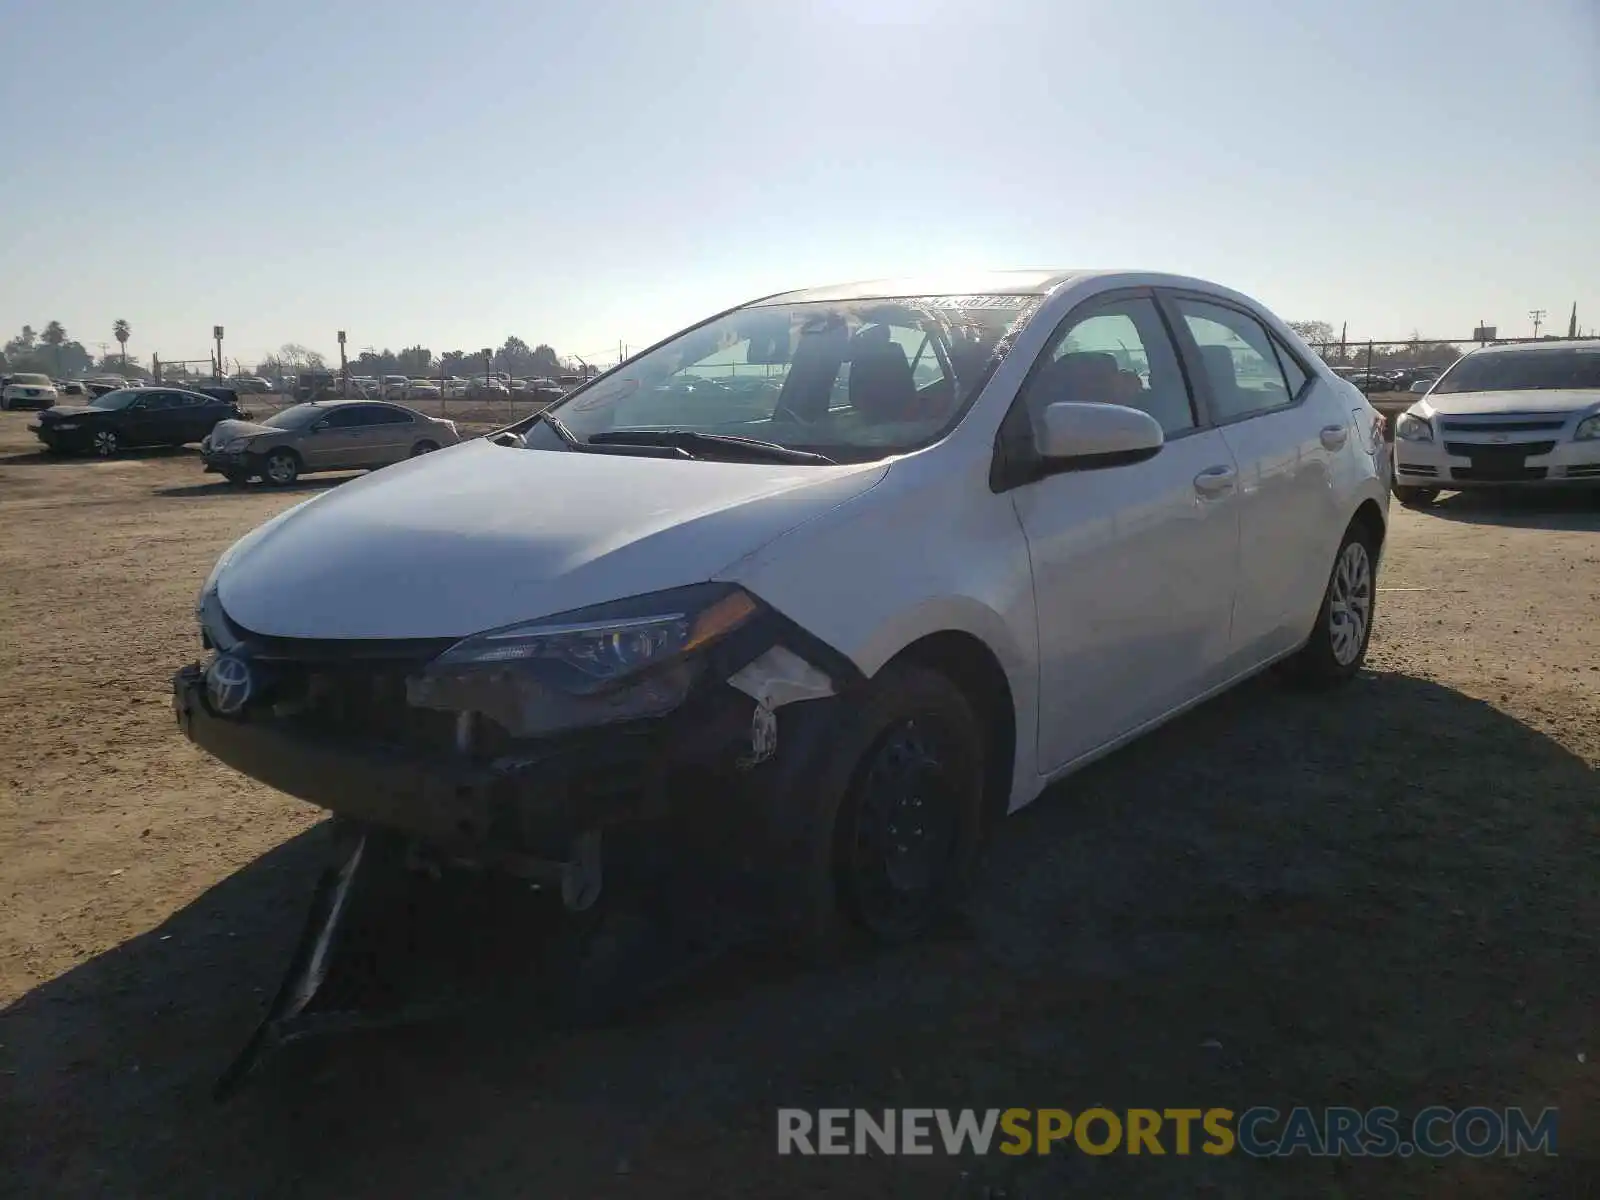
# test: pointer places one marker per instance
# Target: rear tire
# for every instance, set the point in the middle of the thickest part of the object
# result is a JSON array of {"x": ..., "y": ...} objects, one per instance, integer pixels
[
  {"x": 1415, "y": 497},
  {"x": 282, "y": 468},
  {"x": 1338, "y": 643},
  {"x": 422, "y": 448}
]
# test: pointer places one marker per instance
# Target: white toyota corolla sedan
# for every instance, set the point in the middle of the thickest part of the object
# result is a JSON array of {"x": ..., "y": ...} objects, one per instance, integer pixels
[
  {"x": 815, "y": 590},
  {"x": 1504, "y": 416}
]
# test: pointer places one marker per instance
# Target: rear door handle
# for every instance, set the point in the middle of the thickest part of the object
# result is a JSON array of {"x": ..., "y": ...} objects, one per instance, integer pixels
[
  {"x": 1335, "y": 436},
  {"x": 1213, "y": 481}
]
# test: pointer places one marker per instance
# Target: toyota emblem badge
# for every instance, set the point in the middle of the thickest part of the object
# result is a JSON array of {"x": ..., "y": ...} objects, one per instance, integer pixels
[{"x": 229, "y": 684}]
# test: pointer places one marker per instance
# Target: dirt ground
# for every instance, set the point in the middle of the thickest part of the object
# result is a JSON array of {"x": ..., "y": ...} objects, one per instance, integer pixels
[{"x": 1384, "y": 896}]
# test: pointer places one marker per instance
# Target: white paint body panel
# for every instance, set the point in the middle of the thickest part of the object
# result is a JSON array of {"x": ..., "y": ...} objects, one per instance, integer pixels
[
  {"x": 1110, "y": 598},
  {"x": 479, "y": 536}
]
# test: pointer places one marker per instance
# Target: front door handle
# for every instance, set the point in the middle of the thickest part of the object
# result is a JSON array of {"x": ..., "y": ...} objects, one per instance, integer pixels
[
  {"x": 1213, "y": 481},
  {"x": 1335, "y": 436}
]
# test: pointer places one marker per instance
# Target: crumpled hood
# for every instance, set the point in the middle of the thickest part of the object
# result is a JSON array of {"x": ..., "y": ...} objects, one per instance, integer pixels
[
  {"x": 480, "y": 536},
  {"x": 225, "y": 431},
  {"x": 58, "y": 411},
  {"x": 1546, "y": 400}
]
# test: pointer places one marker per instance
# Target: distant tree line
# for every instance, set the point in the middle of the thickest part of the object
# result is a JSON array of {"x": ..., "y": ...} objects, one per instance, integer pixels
[
  {"x": 515, "y": 358},
  {"x": 52, "y": 352}
]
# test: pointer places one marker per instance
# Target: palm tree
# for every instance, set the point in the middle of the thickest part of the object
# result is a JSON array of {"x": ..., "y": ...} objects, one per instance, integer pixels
[
  {"x": 120, "y": 331},
  {"x": 54, "y": 334}
]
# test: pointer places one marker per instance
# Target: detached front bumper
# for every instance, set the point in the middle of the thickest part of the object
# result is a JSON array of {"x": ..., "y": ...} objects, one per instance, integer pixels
[
  {"x": 685, "y": 774},
  {"x": 60, "y": 439},
  {"x": 1456, "y": 463},
  {"x": 219, "y": 463}
]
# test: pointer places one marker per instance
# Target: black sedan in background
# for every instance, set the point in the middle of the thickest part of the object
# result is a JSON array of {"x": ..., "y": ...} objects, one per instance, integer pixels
[{"x": 147, "y": 416}]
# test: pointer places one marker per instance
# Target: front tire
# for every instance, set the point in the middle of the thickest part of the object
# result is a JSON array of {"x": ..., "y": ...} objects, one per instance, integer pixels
[
  {"x": 1415, "y": 497},
  {"x": 895, "y": 826},
  {"x": 282, "y": 468},
  {"x": 1338, "y": 643},
  {"x": 106, "y": 443},
  {"x": 236, "y": 478}
]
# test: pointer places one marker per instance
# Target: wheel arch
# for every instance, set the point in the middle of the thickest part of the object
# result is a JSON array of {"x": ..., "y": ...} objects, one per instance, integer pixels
[
  {"x": 1369, "y": 516},
  {"x": 969, "y": 663}
]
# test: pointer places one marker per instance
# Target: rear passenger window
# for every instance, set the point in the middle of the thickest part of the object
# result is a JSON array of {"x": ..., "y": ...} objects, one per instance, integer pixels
[
  {"x": 1293, "y": 373},
  {"x": 1117, "y": 353},
  {"x": 1238, "y": 359},
  {"x": 345, "y": 418}
]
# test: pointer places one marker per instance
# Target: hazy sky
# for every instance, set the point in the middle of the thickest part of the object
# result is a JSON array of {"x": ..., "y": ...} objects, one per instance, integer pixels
[{"x": 587, "y": 172}]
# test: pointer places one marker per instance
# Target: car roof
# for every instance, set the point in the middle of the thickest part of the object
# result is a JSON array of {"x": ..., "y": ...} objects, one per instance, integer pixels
[
  {"x": 1552, "y": 344},
  {"x": 977, "y": 283},
  {"x": 346, "y": 401},
  {"x": 974, "y": 283}
]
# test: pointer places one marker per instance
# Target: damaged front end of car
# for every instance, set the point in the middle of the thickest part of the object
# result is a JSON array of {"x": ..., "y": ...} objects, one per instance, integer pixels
[{"x": 544, "y": 752}]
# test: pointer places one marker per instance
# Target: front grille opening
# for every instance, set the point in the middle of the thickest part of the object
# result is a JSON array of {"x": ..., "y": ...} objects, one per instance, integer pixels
[
  {"x": 368, "y": 703},
  {"x": 1455, "y": 425},
  {"x": 1508, "y": 450},
  {"x": 1499, "y": 474}
]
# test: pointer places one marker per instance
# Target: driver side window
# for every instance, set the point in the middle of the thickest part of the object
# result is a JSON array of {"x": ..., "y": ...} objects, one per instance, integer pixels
[{"x": 1114, "y": 353}]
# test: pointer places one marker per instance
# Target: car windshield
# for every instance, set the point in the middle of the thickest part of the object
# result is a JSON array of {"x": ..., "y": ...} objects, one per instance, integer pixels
[
  {"x": 120, "y": 398},
  {"x": 31, "y": 380},
  {"x": 852, "y": 381},
  {"x": 297, "y": 417},
  {"x": 1524, "y": 370}
]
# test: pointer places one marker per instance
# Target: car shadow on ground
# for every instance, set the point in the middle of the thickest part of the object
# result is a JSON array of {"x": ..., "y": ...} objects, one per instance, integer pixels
[
  {"x": 215, "y": 486},
  {"x": 42, "y": 458},
  {"x": 1282, "y": 898},
  {"x": 1576, "y": 510}
]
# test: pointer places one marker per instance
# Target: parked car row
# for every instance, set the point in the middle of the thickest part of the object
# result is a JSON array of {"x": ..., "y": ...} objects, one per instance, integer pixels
[
  {"x": 322, "y": 436},
  {"x": 1388, "y": 381}
]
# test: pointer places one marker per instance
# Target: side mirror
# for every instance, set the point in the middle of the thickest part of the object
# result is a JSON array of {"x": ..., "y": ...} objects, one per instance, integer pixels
[{"x": 1084, "y": 437}]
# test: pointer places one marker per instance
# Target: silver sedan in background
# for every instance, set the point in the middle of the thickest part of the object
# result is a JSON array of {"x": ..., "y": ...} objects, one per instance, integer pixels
[{"x": 341, "y": 435}]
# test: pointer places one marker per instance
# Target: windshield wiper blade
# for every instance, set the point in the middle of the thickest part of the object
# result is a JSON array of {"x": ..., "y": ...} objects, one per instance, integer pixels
[
  {"x": 556, "y": 423},
  {"x": 691, "y": 440}
]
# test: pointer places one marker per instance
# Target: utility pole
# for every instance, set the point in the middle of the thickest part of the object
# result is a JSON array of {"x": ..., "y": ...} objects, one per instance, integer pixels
[
  {"x": 1538, "y": 319},
  {"x": 216, "y": 332},
  {"x": 344, "y": 369}
]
